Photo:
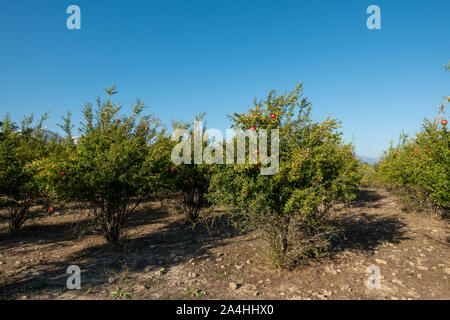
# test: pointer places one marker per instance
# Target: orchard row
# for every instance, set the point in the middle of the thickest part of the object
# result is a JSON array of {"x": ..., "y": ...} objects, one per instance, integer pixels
[{"x": 119, "y": 162}]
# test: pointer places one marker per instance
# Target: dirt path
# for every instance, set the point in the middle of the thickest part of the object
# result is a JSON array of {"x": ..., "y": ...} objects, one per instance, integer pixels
[{"x": 165, "y": 260}]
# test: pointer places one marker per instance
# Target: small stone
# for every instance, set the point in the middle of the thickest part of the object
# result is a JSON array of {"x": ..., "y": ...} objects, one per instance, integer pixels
[
  {"x": 423, "y": 268},
  {"x": 419, "y": 275},
  {"x": 447, "y": 270},
  {"x": 380, "y": 261},
  {"x": 111, "y": 280},
  {"x": 138, "y": 288},
  {"x": 409, "y": 272},
  {"x": 327, "y": 293},
  {"x": 233, "y": 286},
  {"x": 330, "y": 270},
  {"x": 397, "y": 281}
]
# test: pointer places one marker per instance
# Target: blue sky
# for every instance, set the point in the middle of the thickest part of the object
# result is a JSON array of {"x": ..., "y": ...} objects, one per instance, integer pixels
[{"x": 185, "y": 57}]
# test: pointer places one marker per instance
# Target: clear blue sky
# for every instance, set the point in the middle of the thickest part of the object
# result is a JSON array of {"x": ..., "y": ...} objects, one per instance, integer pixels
[{"x": 185, "y": 57}]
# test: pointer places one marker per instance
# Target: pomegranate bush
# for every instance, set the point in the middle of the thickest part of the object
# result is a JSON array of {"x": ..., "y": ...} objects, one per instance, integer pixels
[
  {"x": 316, "y": 168},
  {"x": 418, "y": 167},
  {"x": 19, "y": 147},
  {"x": 110, "y": 169},
  {"x": 188, "y": 183}
]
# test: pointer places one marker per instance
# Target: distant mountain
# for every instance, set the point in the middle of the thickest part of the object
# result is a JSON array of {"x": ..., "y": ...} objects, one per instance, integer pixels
[
  {"x": 369, "y": 159},
  {"x": 50, "y": 135}
]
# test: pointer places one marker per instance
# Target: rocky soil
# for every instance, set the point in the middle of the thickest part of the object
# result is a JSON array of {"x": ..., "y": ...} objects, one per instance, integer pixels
[{"x": 164, "y": 259}]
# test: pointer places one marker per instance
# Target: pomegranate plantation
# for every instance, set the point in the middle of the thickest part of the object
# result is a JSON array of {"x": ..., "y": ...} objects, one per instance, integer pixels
[
  {"x": 111, "y": 202},
  {"x": 216, "y": 159}
]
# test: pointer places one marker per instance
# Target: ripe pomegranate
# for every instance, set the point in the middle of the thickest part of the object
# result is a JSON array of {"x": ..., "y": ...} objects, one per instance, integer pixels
[
  {"x": 245, "y": 192},
  {"x": 172, "y": 169},
  {"x": 63, "y": 173},
  {"x": 444, "y": 122},
  {"x": 252, "y": 128},
  {"x": 416, "y": 150},
  {"x": 273, "y": 116},
  {"x": 51, "y": 209},
  {"x": 146, "y": 128}
]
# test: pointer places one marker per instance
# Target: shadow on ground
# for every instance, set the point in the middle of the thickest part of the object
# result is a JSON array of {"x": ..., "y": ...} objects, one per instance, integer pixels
[
  {"x": 365, "y": 231},
  {"x": 166, "y": 247},
  {"x": 173, "y": 243},
  {"x": 368, "y": 199}
]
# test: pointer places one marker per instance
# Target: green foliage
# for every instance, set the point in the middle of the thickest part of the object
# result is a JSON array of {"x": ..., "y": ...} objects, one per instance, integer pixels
[
  {"x": 316, "y": 169},
  {"x": 19, "y": 147},
  {"x": 369, "y": 175},
  {"x": 109, "y": 169},
  {"x": 189, "y": 183},
  {"x": 419, "y": 167}
]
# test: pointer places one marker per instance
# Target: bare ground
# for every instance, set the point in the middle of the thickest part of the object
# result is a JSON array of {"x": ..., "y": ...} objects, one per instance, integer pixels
[{"x": 164, "y": 259}]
